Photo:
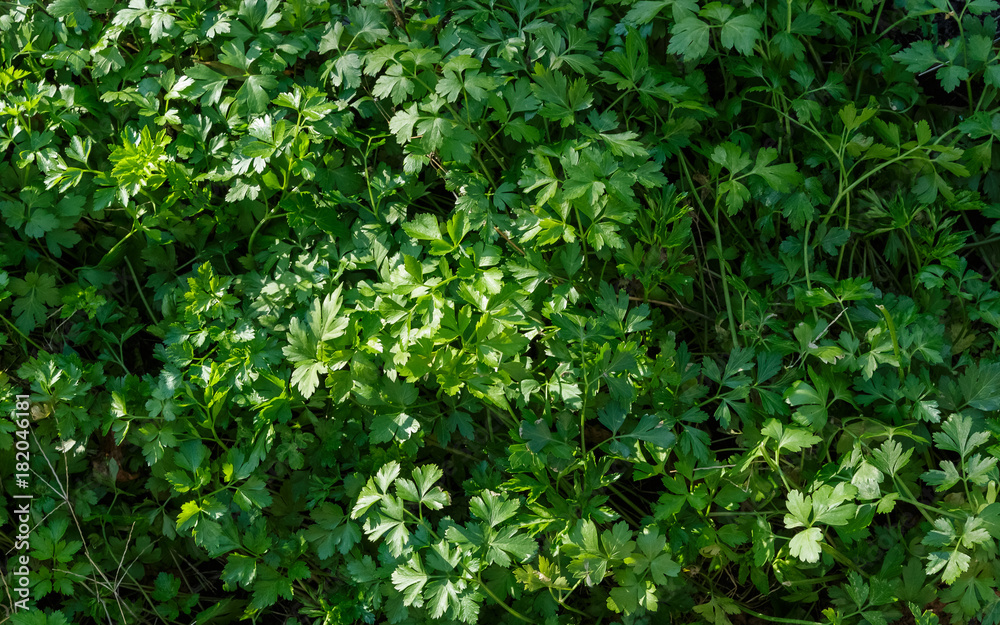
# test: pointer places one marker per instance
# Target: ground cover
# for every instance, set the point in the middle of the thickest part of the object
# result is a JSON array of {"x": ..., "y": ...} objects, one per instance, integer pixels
[{"x": 450, "y": 312}]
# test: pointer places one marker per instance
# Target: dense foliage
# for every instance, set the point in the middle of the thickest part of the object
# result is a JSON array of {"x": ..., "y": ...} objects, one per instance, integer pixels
[{"x": 570, "y": 312}]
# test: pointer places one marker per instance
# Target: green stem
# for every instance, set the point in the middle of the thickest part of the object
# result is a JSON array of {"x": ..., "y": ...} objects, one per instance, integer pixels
[
  {"x": 982, "y": 96},
  {"x": 777, "y": 467},
  {"x": 878, "y": 16},
  {"x": 722, "y": 272},
  {"x": 980, "y": 243},
  {"x": 138, "y": 287},
  {"x": 776, "y": 619},
  {"x": 627, "y": 500},
  {"x": 701, "y": 283},
  {"x": 503, "y": 605},
  {"x": 895, "y": 342},
  {"x": 847, "y": 226},
  {"x": 259, "y": 225},
  {"x": 922, "y": 507},
  {"x": 22, "y": 334},
  {"x": 903, "y": 19},
  {"x": 839, "y": 557},
  {"x": 805, "y": 262},
  {"x": 561, "y": 602},
  {"x": 114, "y": 248},
  {"x": 586, "y": 392},
  {"x": 843, "y": 193}
]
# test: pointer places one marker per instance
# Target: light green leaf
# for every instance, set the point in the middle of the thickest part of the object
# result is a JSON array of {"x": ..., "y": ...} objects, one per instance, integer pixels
[
  {"x": 806, "y": 545},
  {"x": 493, "y": 508},
  {"x": 800, "y": 509},
  {"x": 789, "y": 437},
  {"x": 410, "y": 579}
]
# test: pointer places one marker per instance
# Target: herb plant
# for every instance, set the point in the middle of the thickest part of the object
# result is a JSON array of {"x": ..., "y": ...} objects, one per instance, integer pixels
[{"x": 635, "y": 312}]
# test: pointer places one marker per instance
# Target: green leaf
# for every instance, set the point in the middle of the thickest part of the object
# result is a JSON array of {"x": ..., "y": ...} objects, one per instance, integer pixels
[
  {"x": 731, "y": 156},
  {"x": 410, "y": 579},
  {"x": 811, "y": 404},
  {"x": 617, "y": 542},
  {"x": 268, "y": 587},
  {"x": 651, "y": 430},
  {"x": 789, "y": 437},
  {"x": 717, "y": 609},
  {"x": 974, "y": 533},
  {"x": 508, "y": 542},
  {"x": 945, "y": 478},
  {"x": 391, "y": 523},
  {"x": 919, "y": 57},
  {"x": 35, "y": 616},
  {"x": 165, "y": 587},
  {"x": 252, "y": 494},
  {"x": 942, "y": 534},
  {"x": 493, "y": 508},
  {"x": 537, "y": 435},
  {"x": 954, "y": 564},
  {"x": 332, "y": 531},
  {"x": 188, "y": 515},
  {"x": 956, "y": 434},
  {"x": 651, "y": 558},
  {"x": 806, "y": 545},
  {"x": 829, "y": 504},
  {"x": 923, "y": 131},
  {"x": 207, "y": 84},
  {"x": 981, "y": 471},
  {"x": 644, "y": 11},
  {"x": 422, "y": 490},
  {"x": 799, "y": 508},
  {"x": 980, "y": 385},
  {"x": 375, "y": 488},
  {"x": 762, "y": 538},
  {"x": 612, "y": 416},
  {"x": 742, "y": 32},
  {"x": 36, "y": 292},
  {"x": 305, "y": 378},
  {"x": 690, "y": 37},
  {"x": 260, "y": 14},
  {"x": 306, "y": 348},
  {"x": 387, "y": 427},
  {"x": 867, "y": 479},
  {"x": 951, "y": 76},
  {"x": 857, "y": 589}
]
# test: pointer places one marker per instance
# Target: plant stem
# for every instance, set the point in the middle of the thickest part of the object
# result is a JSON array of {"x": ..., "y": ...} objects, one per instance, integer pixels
[
  {"x": 775, "y": 619},
  {"x": 138, "y": 287},
  {"x": 22, "y": 334},
  {"x": 722, "y": 272},
  {"x": 503, "y": 605},
  {"x": 895, "y": 342},
  {"x": 586, "y": 392}
]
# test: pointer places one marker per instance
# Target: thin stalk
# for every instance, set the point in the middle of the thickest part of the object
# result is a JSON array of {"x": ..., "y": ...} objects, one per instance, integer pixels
[
  {"x": 775, "y": 619},
  {"x": 722, "y": 272},
  {"x": 697, "y": 198},
  {"x": 805, "y": 262},
  {"x": 628, "y": 500},
  {"x": 586, "y": 392},
  {"x": 503, "y": 605},
  {"x": 257, "y": 228},
  {"x": 878, "y": 16},
  {"x": 22, "y": 334},
  {"x": 561, "y": 602},
  {"x": 138, "y": 287},
  {"x": 895, "y": 342}
]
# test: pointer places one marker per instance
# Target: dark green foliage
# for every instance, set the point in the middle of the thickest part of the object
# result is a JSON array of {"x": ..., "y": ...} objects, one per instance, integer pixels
[{"x": 418, "y": 312}]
